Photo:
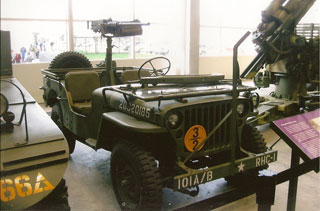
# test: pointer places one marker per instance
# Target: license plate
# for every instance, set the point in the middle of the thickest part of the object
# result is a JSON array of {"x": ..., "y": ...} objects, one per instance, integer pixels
[{"x": 192, "y": 180}]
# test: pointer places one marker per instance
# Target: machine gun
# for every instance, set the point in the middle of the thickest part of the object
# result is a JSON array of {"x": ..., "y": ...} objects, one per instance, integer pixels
[{"x": 108, "y": 27}]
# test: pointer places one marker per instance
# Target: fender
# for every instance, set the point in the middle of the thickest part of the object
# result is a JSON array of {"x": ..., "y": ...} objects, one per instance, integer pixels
[{"x": 124, "y": 122}]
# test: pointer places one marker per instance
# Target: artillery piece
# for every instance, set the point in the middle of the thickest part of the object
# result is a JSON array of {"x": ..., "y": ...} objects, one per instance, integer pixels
[{"x": 289, "y": 55}]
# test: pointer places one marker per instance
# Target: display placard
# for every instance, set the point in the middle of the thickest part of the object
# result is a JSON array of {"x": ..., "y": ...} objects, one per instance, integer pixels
[{"x": 301, "y": 132}]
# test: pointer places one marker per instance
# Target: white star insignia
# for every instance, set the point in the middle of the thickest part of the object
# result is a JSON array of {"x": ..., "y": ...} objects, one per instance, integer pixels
[{"x": 241, "y": 167}]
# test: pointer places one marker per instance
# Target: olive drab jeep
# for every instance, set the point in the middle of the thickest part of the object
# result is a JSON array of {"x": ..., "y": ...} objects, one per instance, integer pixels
[{"x": 175, "y": 131}]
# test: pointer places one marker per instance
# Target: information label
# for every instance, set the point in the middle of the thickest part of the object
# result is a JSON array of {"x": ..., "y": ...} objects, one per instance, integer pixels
[{"x": 303, "y": 131}]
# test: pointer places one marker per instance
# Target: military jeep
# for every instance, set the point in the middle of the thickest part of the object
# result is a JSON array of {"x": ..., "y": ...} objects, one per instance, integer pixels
[{"x": 175, "y": 131}]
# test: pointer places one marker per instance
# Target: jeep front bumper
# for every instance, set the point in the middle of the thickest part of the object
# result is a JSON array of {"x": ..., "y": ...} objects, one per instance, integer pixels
[{"x": 195, "y": 177}]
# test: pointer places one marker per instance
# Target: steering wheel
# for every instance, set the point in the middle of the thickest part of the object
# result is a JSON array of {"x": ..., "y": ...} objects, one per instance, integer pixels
[{"x": 156, "y": 72}]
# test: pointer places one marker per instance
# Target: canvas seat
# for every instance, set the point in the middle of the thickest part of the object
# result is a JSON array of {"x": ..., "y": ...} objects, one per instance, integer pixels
[
  {"x": 132, "y": 75},
  {"x": 80, "y": 86}
]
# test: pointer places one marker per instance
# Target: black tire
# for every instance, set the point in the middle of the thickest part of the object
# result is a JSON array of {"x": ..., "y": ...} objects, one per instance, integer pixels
[
  {"x": 56, "y": 200},
  {"x": 56, "y": 116},
  {"x": 70, "y": 59},
  {"x": 251, "y": 141},
  {"x": 135, "y": 177}
]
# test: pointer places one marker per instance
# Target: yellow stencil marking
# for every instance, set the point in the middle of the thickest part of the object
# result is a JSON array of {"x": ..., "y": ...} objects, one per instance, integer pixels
[
  {"x": 7, "y": 192},
  {"x": 41, "y": 178},
  {"x": 20, "y": 186}
]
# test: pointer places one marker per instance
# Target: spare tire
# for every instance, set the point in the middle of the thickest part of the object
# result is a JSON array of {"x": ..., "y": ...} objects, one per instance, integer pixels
[{"x": 70, "y": 59}]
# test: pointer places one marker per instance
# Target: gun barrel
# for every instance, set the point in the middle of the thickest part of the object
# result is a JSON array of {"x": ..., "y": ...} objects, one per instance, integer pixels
[{"x": 280, "y": 16}]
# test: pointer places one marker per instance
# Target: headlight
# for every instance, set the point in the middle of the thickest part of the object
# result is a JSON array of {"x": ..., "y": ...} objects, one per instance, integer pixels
[
  {"x": 174, "y": 120},
  {"x": 243, "y": 108},
  {"x": 240, "y": 108},
  {"x": 8, "y": 116}
]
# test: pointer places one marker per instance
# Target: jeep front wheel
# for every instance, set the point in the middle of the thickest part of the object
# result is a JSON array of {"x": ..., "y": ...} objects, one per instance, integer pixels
[
  {"x": 56, "y": 116},
  {"x": 251, "y": 141},
  {"x": 135, "y": 178}
]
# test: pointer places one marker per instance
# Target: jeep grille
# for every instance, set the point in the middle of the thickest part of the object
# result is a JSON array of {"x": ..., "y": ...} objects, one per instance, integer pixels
[{"x": 209, "y": 115}]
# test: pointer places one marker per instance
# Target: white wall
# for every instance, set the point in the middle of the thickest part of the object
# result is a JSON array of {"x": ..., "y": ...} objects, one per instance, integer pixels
[
  {"x": 222, "y": 64},
  {"x": 29, "y": 75}
]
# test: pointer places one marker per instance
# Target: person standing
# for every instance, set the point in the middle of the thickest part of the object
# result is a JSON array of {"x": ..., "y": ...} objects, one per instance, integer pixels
[
  {"x": 23, "y": 51},
  {"x": 18, "y": 58},
  {"x": 36, "y": 50}
]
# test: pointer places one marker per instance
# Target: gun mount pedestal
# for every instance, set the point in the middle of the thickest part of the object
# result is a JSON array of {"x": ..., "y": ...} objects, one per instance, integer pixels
[
  {"x": 290, "y": 87},
  {"x": 108, "y": 78}
]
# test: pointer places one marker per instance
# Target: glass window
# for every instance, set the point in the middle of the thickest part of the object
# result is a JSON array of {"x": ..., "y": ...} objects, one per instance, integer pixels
[
  {"x": 223, "y": 23},
  {"x": 313, "y": 15},
  {"x": 161, "y": 37},
  {"x": 42, "y": 40},
  {"x": 120, "y": 10},
  {"x": 164, "y": 35},
  {"x": 34, "y": 9},
  {"x": 154, "y": 41},
  {"x": 155, "y": 11},
  {"x": 91, "y": 44}
]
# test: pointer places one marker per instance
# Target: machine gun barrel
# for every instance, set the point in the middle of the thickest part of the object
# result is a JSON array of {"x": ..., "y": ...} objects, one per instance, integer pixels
[
  {"x": 108, "y": 27},
  {"x": 276, "y": 20}
]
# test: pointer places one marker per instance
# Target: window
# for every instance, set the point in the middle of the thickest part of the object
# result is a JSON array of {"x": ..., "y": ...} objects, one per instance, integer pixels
[
  {"x": 38, "y": 31},
  {"x": 34, "y": 9},
  {"x": 223, "y": 23},
  {"x": 42, "y": 28},
  {"x": 91, "y": 44},
  {"x": 163, "y": 36},
  {"x": 158, "y": 39}
]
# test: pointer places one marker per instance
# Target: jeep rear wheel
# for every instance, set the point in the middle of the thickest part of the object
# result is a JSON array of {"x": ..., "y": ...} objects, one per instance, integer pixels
[
  {"x": 251, "y": 141},
  {"x": 135, "y": 178},
  {"x": 70, "y": 59},
  {"x": 56, "y": 116}
]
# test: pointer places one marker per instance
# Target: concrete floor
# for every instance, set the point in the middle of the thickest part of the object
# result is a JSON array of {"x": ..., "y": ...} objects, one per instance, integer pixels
[{"x": 90, "y": 187}]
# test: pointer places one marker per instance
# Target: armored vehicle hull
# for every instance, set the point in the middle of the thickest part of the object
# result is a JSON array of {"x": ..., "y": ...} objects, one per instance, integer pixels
[{"x": 34, "y": 152}]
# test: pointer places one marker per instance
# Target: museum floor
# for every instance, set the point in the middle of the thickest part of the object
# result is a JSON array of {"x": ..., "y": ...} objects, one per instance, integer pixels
[{"x": 90, "y": 188}]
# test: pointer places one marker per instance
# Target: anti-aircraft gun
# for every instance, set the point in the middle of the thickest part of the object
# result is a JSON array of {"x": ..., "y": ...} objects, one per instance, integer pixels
[{"x": 290, "y": 58}]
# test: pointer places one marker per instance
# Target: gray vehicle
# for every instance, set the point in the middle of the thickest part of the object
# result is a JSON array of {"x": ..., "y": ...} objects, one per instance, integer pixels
[
  {"x": 34, "y": 152},
  {"x": 163, "y": 130}
]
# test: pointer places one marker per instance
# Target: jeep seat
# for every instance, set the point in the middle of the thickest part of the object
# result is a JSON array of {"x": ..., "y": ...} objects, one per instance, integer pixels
[
  {"x": 132, "y": 75},
  {"x": 80, "y": 86}
]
